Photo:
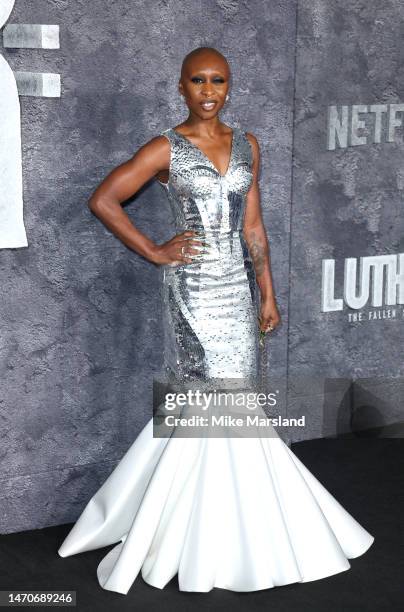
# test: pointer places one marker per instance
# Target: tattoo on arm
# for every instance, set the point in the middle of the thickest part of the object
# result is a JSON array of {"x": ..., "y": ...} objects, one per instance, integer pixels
[{"x": 257, "y": 251}]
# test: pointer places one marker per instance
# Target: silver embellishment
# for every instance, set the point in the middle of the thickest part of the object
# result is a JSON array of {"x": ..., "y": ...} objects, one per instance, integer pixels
[{"x": 210, "y": 305}]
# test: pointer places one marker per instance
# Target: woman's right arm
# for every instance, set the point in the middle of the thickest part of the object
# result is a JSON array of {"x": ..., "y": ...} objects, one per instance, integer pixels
[{"x": 122, "y": 183}]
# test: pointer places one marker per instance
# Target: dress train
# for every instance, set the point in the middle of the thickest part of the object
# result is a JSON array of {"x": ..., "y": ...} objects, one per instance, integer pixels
[{"x": 261, "y": 520}]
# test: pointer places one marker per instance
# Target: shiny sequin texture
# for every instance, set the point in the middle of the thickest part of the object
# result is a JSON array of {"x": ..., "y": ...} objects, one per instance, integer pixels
[{"x": 210, "y": 305}]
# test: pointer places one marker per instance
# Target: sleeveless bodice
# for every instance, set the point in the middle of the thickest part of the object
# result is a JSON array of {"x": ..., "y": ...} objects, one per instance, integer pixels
[
  {"x": 210, "y": 304},
  {"x": 200, "y": 197}
]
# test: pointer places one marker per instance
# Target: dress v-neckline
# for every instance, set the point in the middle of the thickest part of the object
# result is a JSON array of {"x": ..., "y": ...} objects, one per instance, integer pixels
[{"x": 206, "y": 157}]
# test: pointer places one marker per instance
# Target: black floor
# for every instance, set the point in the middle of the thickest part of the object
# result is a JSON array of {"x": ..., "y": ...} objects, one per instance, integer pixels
[{"x": 365, "y": 475}]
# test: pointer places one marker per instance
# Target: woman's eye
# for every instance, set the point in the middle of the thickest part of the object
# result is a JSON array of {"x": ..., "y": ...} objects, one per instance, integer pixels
[{"x": 199, "y": 79}]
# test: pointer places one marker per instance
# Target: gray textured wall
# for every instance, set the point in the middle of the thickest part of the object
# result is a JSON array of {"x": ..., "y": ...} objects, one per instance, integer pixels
[
  {"x": 346, "y": 202},
  {"x": 80, "y": 331}
]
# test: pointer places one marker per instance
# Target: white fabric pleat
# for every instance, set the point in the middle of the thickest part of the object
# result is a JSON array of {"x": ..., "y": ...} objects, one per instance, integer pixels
[{"x": 236, "y": 513}]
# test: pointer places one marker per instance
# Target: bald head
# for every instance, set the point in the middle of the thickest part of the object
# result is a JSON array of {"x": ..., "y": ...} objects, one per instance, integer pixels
[{"x": 206, "y": 57}]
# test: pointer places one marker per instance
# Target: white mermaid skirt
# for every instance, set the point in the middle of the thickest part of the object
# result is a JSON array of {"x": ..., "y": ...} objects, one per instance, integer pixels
[
  {"x": 238, "y": 513},
  {"x": 235, "y": 513}
]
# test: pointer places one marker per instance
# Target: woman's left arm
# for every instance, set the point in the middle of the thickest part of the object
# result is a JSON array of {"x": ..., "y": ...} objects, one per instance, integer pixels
[{"x": 256, "y": 238}]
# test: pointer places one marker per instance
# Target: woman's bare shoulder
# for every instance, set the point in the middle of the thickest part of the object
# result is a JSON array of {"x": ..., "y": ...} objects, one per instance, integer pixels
[
  {"x": 157, "y": 142},
  {"x": 253, "y": 140},
  {"x": 254, "y": 146},
  {"x": 156, "y": 148},
  {"x": 151, "y": 157}
]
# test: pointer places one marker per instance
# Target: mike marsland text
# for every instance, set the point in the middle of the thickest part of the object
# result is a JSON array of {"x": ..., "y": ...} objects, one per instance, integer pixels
[{"x": 232, "y": 421}]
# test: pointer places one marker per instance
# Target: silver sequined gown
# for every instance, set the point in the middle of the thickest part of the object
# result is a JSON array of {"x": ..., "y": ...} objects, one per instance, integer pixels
[
  {"x": 235, "y": 513},
  {"x": 210, "y": 305}
]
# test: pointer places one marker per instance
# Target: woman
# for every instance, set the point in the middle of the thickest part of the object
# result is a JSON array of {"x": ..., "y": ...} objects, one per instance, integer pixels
[{"x": 229, "y": 512}]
